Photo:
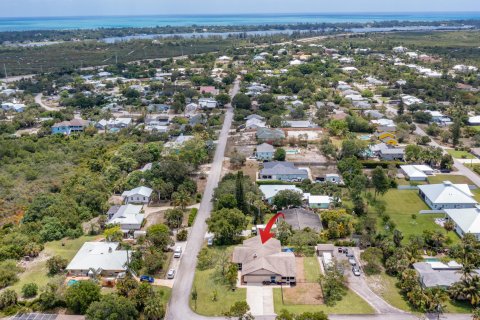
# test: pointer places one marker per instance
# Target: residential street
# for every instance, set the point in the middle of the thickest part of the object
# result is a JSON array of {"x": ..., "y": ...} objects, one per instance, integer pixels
[
  {"x": 462, "y": 169},
  {"x": 178, "y": 307},
  {"x": 38, "y": 100},
  {"x": 359, "y": 286}
]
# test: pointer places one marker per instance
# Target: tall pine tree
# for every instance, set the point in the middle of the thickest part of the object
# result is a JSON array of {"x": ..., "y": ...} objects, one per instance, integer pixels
[{"x": 239, "y": 192}]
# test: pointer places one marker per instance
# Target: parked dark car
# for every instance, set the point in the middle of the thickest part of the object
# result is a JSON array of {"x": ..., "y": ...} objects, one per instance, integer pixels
[{"x": 147, "y": 279}]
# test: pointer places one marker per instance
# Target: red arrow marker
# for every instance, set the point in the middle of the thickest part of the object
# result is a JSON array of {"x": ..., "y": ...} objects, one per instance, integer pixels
[{"x": 265, "y": 234}]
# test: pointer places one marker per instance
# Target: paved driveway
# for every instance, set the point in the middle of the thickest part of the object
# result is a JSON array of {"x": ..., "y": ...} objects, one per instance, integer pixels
[{"x": 260, "y": 300}]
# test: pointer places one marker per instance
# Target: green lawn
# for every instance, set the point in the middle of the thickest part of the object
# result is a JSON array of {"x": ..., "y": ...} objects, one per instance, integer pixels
[
  {"x": 460, "y": 154},
  {"x": 385, "y": 286},
  {"x": 37, "y": 273},
  {"x": 350, "y": 304},
  {"x": 206, "y": 284},
  {"x": 401, "y": 204},
  {"x": 311, "y": 269},
  {"x": 165, "y": 293},
  {"x": 439, "y": 178}
]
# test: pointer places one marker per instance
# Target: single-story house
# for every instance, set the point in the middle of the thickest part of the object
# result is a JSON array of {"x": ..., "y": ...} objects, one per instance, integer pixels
[
  {"x": 270, "y": 135},
  {"x": 69, "y": 127},
  {"x": 118, "y": 123},
  {"x": 283, "y": 171},
  {"x": 17, "y": 107},
  {"x": 128, "y": 217},
  {"x": 270, "y": 191},
  {"x": 99, "y": 258},
  {"x": 333, "y": 178},
  {"x": 300, "y": 219},
  {"x": 437, "y": 274},
  {"x": 207, "y": 103},
  {"x": 324, "y": 248},
  {"x": 137, "y": 195},
  {"x": 474, "y": 121},
  {"x": 417, "y": 172},
  {"x": 254, "y": 116},
  {"x": 392, "y": 154},
  {"x": 465, "y": 220},
  {"x": 208, "y": 89},
  {"x": 298, "y": 124},
  {"x": 265, "y": 152},
  {"x": 318, "y": 202},
  {"x": 447, "y": 195},
  {"x": 255, "y": 123},
  {"x": 259, "y": 262}
]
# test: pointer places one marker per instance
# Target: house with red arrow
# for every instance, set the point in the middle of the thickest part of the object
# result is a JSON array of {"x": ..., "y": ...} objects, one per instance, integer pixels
[{"x": 261, "y": 262}]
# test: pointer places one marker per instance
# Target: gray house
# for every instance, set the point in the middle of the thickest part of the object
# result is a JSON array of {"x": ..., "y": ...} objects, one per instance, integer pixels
[
  {"x": 270, "y": 135},
  {"x": 283, "y": 171},
  {"x": 392, "y": 154},
  {"x": 265, "y": 152}
]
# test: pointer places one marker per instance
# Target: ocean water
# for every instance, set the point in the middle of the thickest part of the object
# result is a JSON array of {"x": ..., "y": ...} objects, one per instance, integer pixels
[{"x": 66, "y": 23}]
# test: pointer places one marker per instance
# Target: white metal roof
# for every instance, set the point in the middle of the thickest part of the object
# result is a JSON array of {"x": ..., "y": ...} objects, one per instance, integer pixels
[
  {"x": 416, "y": 171},
  {"x": 270, "y": 191},
  {"x": 448, "y": 192},
  {"x": 466, "y": 219},
  {"x": 143, "y": 191},
  {"x": 99, "y": 256}
]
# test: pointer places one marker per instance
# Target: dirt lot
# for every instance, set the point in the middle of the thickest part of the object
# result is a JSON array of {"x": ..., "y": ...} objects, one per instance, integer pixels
[
  {"x": 250, "y": 169},
  {"x": 312, "y": 135},
  {"x": 310, "y": 154},
  {"x": 303, "y": 293},
  {"x": 321, "y": 171}
]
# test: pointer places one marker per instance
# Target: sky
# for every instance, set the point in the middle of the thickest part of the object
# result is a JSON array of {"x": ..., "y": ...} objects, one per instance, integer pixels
[{"x": 55, "y": 8}]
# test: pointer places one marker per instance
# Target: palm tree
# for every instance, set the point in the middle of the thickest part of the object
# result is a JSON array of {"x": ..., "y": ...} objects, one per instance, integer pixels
[
  {"x": 180, "y": 199},
  {"x": 467, "y": 289},
  {"x": 158, "y": 185}
]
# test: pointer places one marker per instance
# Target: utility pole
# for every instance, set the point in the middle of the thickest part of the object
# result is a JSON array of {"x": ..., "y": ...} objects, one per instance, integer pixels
[
  {"x": 116, "y": 58},
  {"x": 5, "y": 69}
]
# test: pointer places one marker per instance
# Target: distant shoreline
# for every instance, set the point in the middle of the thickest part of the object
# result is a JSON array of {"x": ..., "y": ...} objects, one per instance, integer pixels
[{"x": 231, "y": 20}]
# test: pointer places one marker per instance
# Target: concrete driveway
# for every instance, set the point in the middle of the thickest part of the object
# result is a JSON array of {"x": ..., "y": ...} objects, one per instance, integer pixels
[{"x": 260, "y": 300}]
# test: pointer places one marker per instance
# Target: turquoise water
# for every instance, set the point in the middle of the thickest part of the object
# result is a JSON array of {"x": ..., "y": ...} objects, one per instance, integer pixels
[
  {"x": 432, "y": 259},
  {"x": 64, "y": 23},
  {"x": 365, "y": 138},
  {"x": 71, "y": 282}
]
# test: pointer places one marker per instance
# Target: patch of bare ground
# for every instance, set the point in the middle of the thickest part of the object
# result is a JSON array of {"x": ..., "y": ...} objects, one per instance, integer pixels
[
  {"x": 250, "y": 169},
  {"x": 304, "y": 293}
]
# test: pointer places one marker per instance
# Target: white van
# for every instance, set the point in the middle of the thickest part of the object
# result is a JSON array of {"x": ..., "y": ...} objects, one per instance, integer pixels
[{"x": 178, "y": 252}]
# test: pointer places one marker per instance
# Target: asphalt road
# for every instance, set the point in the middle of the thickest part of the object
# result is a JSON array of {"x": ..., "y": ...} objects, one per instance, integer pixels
[
  {"x": 462, "y": 169},
  {"x": 38, "y": 100},
  {"x": 178, "y": 307}
]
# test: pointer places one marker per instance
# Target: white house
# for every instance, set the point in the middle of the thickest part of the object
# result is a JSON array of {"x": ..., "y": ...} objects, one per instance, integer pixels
[
  {"x": 207, "y": 103},
  {"x": 99, "y": 258},
  {"x": 417, "y": 172},
  {"x": 474, "y": 121},
  {"x": 318, "y": 202},
  {"x": 137, "y": 195},
  {"x": 411, "y": 100},
  {"x": 447, "y": 195},
  {"x": 255, "y": 123},
  {"x": 465, "y": 220},
  {"x": 270, "y": 191},
  {"x": 128, "y": 217},
  {"x": 399, "y": 50},
  {"x": 460, "y": 68}
]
